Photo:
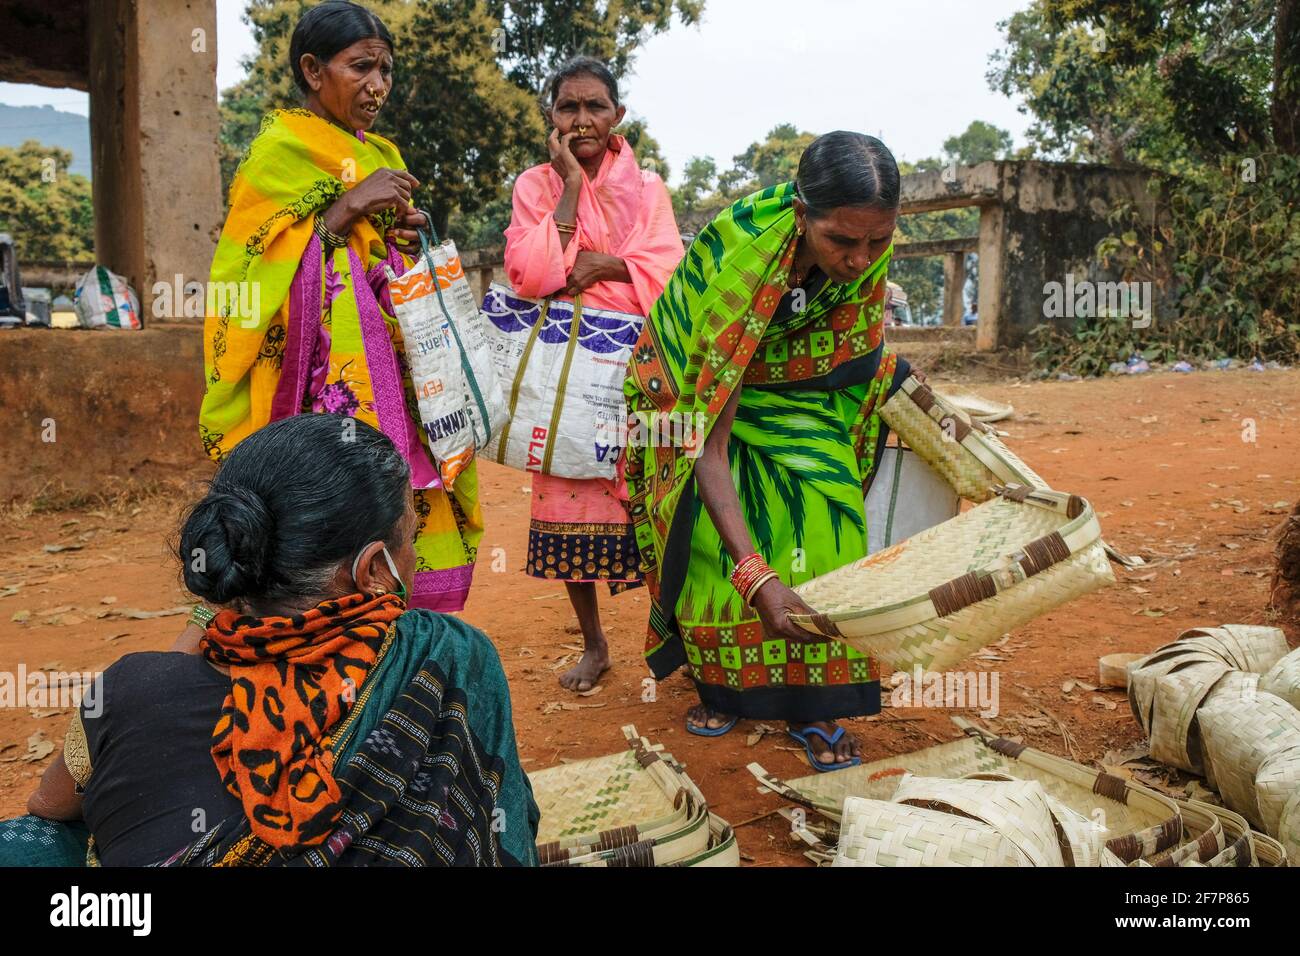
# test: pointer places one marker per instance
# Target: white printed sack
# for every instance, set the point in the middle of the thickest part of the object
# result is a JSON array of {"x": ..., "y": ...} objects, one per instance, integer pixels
[
  {"x": 906, "y": 497},
  {"x": 460, "y": 402},
  {"x": 106, "y": 301},
  {"x": 562, "y": 367}
]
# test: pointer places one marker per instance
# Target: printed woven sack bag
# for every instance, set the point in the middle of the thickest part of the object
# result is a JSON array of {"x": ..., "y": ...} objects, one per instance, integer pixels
[
  {"x": 562, "y": 366},
  {"x": 455, "y": 381}
]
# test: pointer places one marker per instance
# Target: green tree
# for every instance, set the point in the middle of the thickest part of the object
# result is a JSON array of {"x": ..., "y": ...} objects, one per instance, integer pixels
[
  {"x": 775, "y": 160},
  {"x": 539, "y": 35},
  {"x": 46, "y": 209},
  {"x": 1164, "y": 84},
  {"x": 698, "y": 181},
  {"x": 980, "y": 142},
  {"x": 1207, "y": 93},
  {"x": 647, "y": 149}
]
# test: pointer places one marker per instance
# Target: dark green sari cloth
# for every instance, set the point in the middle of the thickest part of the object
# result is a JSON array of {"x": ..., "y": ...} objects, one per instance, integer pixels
[{"x": 427, "y": 763}]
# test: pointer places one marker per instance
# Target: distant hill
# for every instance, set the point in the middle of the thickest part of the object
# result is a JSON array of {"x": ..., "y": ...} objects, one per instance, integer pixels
[{"x": 70, "y": 131}]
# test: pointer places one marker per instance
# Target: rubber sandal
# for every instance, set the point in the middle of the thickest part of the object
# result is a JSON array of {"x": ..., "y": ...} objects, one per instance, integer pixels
[
  {"x": 715, "y": 732},
  {"x": 831, "y": 740}
]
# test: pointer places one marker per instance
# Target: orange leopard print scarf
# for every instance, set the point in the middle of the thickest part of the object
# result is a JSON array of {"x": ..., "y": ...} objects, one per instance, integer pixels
[{"x": 291, "y": 680}]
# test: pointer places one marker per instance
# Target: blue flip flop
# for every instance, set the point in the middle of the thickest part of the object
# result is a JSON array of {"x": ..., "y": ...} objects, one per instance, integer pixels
[
  {"x": 715, "y": 732},
  {"x": 831, "y": 740}
]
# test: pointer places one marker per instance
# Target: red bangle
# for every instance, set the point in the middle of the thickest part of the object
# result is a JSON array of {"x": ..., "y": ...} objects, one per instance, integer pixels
[{"x": 748, "y": 572}]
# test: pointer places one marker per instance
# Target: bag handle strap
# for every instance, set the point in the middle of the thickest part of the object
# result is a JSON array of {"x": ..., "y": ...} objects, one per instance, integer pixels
[
  {"x": 543, "y": 311},
  {"x": 563, "y": 384}
]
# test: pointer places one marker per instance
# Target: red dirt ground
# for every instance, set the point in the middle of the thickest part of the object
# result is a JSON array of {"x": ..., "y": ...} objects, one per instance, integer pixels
[{"x": 1162, "y": 458}]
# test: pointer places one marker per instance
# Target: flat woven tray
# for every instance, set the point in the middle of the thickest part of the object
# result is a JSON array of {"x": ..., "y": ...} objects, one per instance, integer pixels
[
  {"x": 592, "y": 802},
  {"x": 941, "y": 595}
]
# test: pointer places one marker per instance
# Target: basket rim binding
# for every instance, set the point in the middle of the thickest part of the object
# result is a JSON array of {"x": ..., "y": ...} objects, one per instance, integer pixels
[{"x": 1081, "y": 531}]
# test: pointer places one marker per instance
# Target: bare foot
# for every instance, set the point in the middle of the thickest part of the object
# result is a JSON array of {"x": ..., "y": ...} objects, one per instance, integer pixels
[
  {"x": 702, "y": 718},
  {"x": 584, "y": 674},
  {"x": 846, "y": 748}
]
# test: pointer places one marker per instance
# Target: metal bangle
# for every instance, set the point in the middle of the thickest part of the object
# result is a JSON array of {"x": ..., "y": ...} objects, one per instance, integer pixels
[
  {"x": 327, "y": 236},
  {"x": 202, "y": 616}
]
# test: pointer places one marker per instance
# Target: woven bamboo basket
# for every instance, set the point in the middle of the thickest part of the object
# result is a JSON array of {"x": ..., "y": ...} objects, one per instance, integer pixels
[
  {"x": 1283, "y": 679},
  {"x": 1269, "y": 852},
  {"x": 1238, "y": 737},
  {"x": 1241, "y": 647},
  {"x": 689, "y": 841},
  {"x": 1140, "y": 821},
  {"x": 1017, "y": 809},
  {"x": 611, "y": 801},
  {"x": 1086, "y": 838},
  {"x": 723, "y": 850},
  {"x": 1173, "y": 714},
  {"x": 941, "y": 595},
  {"x": 1288, "y": 828},
  {"x": 1203, "y": 837},
  {"x": 1276, "y": 782},
  {"x": 966, "y": 453},
  {"x": 1247, "y": 647},
  {"x": 879, "y": 833}
]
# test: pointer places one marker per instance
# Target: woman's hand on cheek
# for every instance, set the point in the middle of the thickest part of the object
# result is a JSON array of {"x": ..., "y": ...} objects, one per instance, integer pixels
[{"x": 562, "y": 159}]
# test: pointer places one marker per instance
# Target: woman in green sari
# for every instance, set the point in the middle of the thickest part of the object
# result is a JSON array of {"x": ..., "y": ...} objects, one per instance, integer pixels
[{"x": 767, "y": 348}]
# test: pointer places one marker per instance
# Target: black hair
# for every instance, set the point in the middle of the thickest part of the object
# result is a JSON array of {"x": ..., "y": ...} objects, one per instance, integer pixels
[
  {"x": 289, "y": 504},
  {"x": 846, "y": 169},
  {"x": 580, "y": 66},
  {"x": 329, "y": 27}
]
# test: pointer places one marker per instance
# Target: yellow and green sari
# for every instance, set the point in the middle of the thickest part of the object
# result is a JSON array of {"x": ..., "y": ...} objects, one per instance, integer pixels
[
  {"x": 802, "y": 449},
  {"x": 293, "y": 328}
]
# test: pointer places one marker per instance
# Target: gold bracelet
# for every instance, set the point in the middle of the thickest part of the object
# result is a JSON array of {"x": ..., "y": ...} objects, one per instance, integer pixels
[
  {"x": 566, "y": 226},
  {"x": 330, "y": 238}
]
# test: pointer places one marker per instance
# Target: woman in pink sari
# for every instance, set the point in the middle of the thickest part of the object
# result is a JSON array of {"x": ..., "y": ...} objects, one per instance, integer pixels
[{"x": 590, "y": 221}]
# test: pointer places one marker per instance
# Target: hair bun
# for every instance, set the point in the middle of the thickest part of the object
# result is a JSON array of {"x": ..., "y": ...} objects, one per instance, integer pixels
[{"x": 226, "y": 545}]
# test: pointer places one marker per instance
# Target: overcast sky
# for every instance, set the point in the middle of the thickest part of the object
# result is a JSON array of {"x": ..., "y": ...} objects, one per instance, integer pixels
[{"x": 910, "y": 72}]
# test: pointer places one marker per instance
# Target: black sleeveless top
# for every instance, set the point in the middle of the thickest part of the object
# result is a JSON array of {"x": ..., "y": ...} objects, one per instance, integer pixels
[{"x": 153, "y": 787}]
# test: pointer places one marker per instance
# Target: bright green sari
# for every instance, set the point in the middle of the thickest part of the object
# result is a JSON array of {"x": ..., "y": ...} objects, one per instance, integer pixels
[{"x": 802, "y": 448}]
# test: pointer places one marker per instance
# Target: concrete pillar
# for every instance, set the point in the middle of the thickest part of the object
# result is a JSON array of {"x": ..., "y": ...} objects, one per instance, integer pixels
[
  {"x": 954, "y": 285},
  {"x": 992, "y": 253},
  {"x": 153, "y": 129}
]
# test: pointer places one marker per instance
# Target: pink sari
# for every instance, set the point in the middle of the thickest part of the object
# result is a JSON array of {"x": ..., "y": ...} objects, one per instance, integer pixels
[{"x": 580, "y": 529}]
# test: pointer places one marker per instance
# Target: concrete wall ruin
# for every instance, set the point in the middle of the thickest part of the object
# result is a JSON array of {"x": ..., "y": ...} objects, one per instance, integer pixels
[{"x": 1039, "y": 222}]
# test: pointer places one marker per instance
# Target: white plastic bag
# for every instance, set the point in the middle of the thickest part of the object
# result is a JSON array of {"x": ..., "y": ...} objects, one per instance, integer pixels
[
  {"x": 106, "y": 301},
  {"x": 906, "y": 497},
  {"x": 567, "y": 412},
  {"x": 460, "y": 402}
]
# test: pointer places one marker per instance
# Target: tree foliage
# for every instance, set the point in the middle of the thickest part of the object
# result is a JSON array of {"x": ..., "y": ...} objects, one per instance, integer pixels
[
  {"x": 46, "y": 209},
  {"x": 1207, "y": 94}
]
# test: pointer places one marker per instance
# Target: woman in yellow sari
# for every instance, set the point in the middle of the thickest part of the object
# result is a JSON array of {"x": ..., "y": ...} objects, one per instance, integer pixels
[{"x": 298, "y": 317}]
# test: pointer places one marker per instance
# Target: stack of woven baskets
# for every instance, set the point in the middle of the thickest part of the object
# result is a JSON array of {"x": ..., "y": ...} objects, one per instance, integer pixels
[
  {"x": 985, "y": 800},
  {"x": 938, "y": 597},
  {"x": 985, "y": 820},
  {"x": 1225, "y": 702},
  {"x": 633, "y": 808}
]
